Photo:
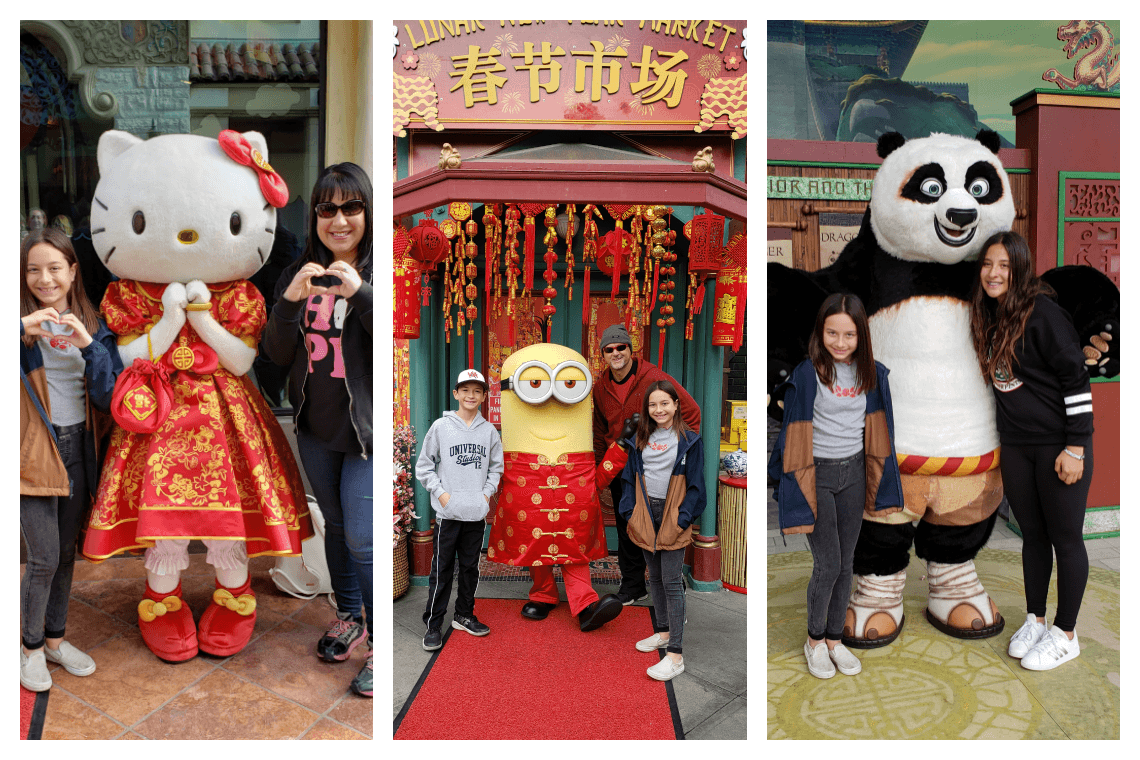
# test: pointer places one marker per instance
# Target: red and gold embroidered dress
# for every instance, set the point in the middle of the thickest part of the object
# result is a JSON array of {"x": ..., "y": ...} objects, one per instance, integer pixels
[
  {"x": 548, "y": 513},
  {"x": 220, "y": 466}
]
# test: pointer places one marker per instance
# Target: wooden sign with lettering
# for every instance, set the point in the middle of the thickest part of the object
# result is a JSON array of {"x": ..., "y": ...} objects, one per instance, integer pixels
[{"x": 654, "y": 75}]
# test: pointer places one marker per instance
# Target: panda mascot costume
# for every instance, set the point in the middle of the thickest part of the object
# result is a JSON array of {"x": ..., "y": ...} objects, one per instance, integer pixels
[{"x": 934, "y": 203}]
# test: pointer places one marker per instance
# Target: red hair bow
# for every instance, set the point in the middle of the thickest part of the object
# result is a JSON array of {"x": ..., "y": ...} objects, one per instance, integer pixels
[{"x": 239, "y": 149}]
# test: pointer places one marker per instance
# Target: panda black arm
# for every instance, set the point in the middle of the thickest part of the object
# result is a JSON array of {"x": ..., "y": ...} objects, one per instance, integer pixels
[
  {"x": 1093, "y": 302},
  {"x": 794, "y": 298}
]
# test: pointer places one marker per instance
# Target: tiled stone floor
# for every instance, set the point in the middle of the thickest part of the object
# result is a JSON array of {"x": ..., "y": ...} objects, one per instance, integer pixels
[{"x": 276, "y": 688}]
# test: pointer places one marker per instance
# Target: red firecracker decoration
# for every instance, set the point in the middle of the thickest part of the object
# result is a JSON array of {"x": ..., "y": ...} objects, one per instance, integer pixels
[
  {"x": 550, "y": 257},
  {"x": 589, "y": 252},
  {"x": 513, "y": 216},
  {"x": 570, "y": 252},
  {"x": 529, "y": 211},
  {"x": 492, "y": 247}
]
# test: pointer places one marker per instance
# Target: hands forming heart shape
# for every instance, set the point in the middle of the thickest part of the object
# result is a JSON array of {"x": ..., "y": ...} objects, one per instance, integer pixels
[{"x": 33, "y": 325}]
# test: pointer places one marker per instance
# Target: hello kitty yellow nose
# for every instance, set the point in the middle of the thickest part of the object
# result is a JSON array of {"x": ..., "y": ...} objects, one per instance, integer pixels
[{"x": 186, "y": 237}]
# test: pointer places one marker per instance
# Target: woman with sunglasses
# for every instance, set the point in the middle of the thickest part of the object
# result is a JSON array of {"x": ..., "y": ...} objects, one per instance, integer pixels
[{"x": 321, "y": 327}]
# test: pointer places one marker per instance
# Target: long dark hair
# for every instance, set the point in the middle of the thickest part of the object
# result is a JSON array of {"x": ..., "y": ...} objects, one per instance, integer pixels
[
  {"x": 997, "y": 325},
  {"x": 352, "y": 182},
  {"x": 647, "y": 424},
  {"x": 77, "y": 299},
  {"x": 864, "y": 358}
]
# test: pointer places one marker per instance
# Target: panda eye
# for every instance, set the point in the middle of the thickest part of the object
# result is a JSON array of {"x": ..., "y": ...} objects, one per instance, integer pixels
[
  {"x": 138, "y": 223},
  {"x": 979, "y": 188},
  {"x": 235, "y": 223},
  {"x": 931, "y": 187}
]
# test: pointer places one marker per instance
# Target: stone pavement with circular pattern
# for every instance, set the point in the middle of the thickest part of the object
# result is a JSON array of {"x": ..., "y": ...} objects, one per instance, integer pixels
[{"x": 926, "y": 685}]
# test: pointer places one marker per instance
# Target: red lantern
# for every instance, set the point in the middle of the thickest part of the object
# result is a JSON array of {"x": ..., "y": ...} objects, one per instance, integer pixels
[
  {"x": 707, "y": 230},
  {"x": 731, "y": 294},
  {"x": 429, "y": 244},
  {"x": 613, "y": 255}
]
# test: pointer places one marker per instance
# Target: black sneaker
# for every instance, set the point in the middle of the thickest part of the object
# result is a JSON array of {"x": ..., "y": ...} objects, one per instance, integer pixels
[
  {"x": 470, "y": 624},
  {"x": 433, "y": 640},
  {"x": 627, "y": 598}
]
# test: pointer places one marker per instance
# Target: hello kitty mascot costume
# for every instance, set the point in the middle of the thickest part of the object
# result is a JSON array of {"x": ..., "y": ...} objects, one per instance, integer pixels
[{"x": 182, "y": 220}]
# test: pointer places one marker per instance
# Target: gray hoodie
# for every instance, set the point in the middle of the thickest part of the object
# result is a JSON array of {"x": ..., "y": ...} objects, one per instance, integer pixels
[{"x": 465, "y": 462}]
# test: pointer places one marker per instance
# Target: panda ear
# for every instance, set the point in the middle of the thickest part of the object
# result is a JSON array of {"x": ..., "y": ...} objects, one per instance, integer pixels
[
  {"x": 889, "y": 143},
  {"x": 990, "y": 139}
]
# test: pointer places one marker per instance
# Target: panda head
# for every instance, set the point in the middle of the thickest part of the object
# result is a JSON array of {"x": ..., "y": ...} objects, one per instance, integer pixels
[{"x": 938, "y": 198}]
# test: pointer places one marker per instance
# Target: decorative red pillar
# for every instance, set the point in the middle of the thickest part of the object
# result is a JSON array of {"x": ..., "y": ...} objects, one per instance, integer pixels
[{"x": 422, "y": 550}]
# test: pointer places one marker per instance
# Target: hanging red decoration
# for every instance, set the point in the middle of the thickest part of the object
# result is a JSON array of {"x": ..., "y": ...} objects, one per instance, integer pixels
[
  {"x": 405, "y": 287},
  {"x": 589, "y": 252},
  {"x": 613, "y": 255},
  {"x": 429, "y": 247},
  {"x": 731, "y": 294},
  {"x": 513, "y": 216},
  {"x": 492, "y": 247},
  {"x": 569, "y": 252},
  {"x": 551, "y": 222},
  {"x": 529, "y": 211},
  {"x": 705, "y": 233}
]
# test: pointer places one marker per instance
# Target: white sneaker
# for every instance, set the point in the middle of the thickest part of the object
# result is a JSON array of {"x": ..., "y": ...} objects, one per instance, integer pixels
[
  {"x": 818, "y": 661},
  {"x": 666, "y": 669},
  {"x": 34, "y": 675},
  {"x": 75, "y": 662},
  {"x": 1053, "y": 649},
  {"x": 1026, "y": 636},
  {"x": 845, "y": 662},
  {"x": 652, "y": 644}
]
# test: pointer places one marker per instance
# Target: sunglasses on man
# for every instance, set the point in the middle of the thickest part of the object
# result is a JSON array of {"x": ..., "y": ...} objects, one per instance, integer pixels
[
  {"x": 350, "y": 208},
  {"x": 611, "y": 349}
]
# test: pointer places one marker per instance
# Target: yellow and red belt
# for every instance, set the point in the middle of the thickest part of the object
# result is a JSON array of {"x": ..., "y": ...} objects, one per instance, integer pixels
[{"x": 912, "y": 464}]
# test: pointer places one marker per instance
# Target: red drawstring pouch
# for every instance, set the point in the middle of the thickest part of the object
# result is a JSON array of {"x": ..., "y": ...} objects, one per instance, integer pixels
[{"x": 143, "y": 396}]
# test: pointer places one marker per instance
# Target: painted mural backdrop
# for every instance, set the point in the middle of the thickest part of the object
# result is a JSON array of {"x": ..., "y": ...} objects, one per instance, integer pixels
[
  {"x": 851, "y": 81},
  {"x": 662, "y": 75}
]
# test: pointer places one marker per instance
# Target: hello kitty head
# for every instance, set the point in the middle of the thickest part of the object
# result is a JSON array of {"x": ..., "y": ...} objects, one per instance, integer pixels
[{"x": 177, "y": 208}]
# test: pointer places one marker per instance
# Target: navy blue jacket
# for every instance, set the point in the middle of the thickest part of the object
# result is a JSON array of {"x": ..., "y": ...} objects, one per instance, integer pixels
[
  {"x": 41, "y": 470},
  {"x": 684, "y": 500},
  {"x": 792, "y": 465}
]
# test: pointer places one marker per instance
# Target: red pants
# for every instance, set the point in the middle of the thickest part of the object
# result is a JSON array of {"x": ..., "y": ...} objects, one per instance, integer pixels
[{"x": 579, "y": 591}]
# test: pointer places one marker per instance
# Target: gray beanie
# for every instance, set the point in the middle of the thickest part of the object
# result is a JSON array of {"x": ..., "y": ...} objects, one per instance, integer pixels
[{"x": 615, "y": 334}]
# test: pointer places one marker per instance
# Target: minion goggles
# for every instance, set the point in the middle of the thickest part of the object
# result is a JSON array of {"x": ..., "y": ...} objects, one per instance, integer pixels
[{"x": 537, "y": 391}]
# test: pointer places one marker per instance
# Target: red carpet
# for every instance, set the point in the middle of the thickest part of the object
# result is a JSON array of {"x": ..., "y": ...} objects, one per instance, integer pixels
[
  {"x": 31, "y": 718},
  {"x": 531, "y": 679}
]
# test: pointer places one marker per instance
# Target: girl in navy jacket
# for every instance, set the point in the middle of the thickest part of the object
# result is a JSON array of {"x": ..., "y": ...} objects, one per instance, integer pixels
[{"x": 662, "y": 495}]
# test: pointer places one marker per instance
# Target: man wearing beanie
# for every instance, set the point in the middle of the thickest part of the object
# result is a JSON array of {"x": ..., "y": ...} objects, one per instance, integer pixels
[{"x": 618, "y": 395}]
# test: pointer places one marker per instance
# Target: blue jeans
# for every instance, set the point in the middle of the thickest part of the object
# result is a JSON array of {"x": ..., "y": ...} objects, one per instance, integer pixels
[
  {"x": 50, "y": 526},
  {"x": 342, "y": 484}
]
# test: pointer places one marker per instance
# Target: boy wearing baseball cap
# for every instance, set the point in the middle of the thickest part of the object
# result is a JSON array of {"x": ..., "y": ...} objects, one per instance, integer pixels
[{"x": 460, "y": 464}]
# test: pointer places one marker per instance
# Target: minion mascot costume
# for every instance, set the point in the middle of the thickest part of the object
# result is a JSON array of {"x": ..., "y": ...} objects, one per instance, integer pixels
[
  {"x": 183, "y": 220},
  {"x": 934, "y": 203},
  {"x": 548, "y": 511}
]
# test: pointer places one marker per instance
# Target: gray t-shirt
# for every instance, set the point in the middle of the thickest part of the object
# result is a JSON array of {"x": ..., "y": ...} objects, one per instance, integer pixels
[
  {"x": 659, "y": 456},
  {"x": 64, "y": 367},
  {"x": 838, "y": 415}
]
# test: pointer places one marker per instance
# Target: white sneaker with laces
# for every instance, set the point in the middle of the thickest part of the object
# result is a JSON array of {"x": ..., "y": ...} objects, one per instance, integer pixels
[
  {"x": 1052, "y": 650},
  {"x": 818, "y": 661},
  {"x": 666, "y": 669},
  {"x": 845, "y": 662},
  {"x": 1026, "y": 636}
]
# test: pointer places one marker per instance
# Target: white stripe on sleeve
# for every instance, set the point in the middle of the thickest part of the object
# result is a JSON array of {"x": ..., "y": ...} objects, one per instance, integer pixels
[
  {"x": 1079, "y": 409},
  {"x": 1078, "y": 397}
]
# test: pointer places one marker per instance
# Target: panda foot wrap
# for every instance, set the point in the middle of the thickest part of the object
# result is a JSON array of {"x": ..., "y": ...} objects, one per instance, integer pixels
[
  {"x": 957, "y": 603},
  {"x": 875, "y": 612}
]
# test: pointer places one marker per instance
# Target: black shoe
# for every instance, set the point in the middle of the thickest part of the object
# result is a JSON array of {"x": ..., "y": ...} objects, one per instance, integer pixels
[
  {"x": 537, "y": 610},
  {"x": 627, "y": 598},
  {"x": 433, "y": 640},
  {"x": 599, "y": 613},
  {"x": 470, "y": 624}
]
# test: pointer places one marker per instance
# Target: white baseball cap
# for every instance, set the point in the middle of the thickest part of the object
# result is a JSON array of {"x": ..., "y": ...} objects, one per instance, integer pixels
[{"x": 471, "y": 376}]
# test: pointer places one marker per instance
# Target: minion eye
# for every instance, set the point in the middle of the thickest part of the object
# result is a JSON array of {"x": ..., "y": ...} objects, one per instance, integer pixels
[
  {"x": 535, "y": 383},
  {"x": 533, "y": 391},
  {"x": 572, "y": 389}
]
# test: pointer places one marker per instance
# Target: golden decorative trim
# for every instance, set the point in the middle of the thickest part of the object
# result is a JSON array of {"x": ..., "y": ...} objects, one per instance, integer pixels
[{"x": 714, "y": 544}]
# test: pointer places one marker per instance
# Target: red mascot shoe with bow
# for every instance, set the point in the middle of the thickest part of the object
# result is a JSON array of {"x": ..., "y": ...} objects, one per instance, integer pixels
[
  {"x": 167, "y": 626},
  {"x": 227, "y": 624}
]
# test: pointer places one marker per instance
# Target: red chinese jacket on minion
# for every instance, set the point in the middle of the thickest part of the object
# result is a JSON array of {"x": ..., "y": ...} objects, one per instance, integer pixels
[{"x": 548, "y": 511}]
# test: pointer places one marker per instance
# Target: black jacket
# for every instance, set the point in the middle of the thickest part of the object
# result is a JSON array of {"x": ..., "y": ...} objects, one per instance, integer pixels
[{"x": 284, "y": 343}]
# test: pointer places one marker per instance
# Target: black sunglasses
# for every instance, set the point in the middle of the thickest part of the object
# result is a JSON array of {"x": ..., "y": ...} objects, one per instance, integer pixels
[
  {"x": 611, "y": 349},
  {"x": 328, "y": 210}
]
